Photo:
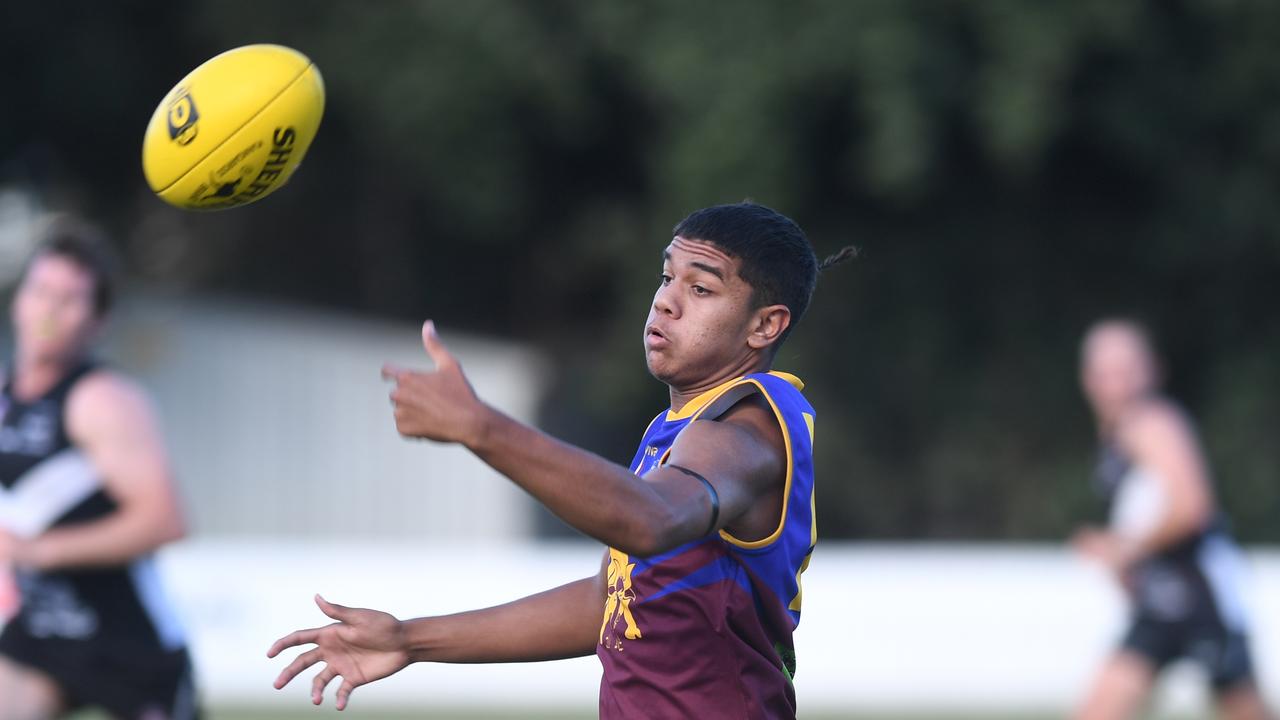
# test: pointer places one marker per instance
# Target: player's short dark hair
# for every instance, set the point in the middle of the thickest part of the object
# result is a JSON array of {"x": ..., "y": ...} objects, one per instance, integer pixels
[
  {"x": 776, "y": 258},
  {"x": 87, "y": 247}
]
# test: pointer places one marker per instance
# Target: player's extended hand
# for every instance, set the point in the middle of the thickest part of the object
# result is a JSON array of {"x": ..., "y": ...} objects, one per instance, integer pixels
[
  {"x": 436, "y": 405},
  {"x": 363, "y": 646}
]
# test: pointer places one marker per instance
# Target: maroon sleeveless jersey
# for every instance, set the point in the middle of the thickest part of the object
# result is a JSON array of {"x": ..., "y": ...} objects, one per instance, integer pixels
[{"x": 705, "y": 630}]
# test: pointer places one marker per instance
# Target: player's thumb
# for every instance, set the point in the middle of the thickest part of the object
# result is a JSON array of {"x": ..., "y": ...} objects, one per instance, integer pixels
[
  {"x": 434, "y": 345},
  {"x": 333, "y": 610}
]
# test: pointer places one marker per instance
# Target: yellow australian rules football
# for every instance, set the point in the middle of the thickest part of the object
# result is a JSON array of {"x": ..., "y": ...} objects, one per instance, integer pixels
[{"x": 234, "y": 130}]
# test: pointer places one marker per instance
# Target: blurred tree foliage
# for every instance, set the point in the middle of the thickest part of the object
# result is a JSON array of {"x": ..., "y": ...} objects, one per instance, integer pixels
[{"x": 1011, "y": 170}]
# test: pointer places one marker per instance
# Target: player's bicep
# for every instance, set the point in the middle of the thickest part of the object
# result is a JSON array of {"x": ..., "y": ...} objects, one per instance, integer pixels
[
  {"x": 115, "y": 425},
  {"x": 1161, "y": 440}
]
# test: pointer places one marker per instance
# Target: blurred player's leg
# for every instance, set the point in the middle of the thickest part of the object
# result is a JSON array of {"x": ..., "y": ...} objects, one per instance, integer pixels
[
  {"x": 27, "y": 694},
  {"x": 1120, "y": 690},
  {"x": 1242, "y": 702}
]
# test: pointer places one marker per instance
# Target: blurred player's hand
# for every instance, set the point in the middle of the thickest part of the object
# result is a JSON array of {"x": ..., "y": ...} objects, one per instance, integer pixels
[
  {"x": 1113, "y": 551},
  {"x": 14, "y": 550},
  {"x": 10, "y": 597},
  {"x": 437, "y": 405},
  {"x": 363, "y": 646}
]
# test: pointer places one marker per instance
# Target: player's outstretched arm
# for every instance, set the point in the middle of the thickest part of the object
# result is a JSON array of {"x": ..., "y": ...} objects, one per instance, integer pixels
[
  {"x": 742, "y": 456},
  {"x": 112, "y": 421},
  {"x": 368, "y": 645}
]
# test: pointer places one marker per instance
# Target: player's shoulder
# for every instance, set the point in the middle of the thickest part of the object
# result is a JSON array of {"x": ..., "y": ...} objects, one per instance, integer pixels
[
  {"x": 746, "y": 435},
  {"x": 785, "y": 392},
  {"x": 1156, "y": 416},
  {"x": 107, "y": 384},
  {"x": 749, "y": 422},
  {"x": 751, "y": 411},
  {"x": 104, "y": 395},
  {"x": 777, "y": 382}
]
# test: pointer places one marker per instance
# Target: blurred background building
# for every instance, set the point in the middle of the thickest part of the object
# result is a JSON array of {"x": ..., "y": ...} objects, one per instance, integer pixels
[{"x": 1010, "y": 171}]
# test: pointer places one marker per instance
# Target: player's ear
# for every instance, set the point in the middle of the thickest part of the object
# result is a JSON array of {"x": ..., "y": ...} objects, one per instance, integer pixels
[{"x": 767, "y": 325}]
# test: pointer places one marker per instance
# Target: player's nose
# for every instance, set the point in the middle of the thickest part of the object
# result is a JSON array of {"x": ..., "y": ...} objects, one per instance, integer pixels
[{"x": 663, "y": 301}]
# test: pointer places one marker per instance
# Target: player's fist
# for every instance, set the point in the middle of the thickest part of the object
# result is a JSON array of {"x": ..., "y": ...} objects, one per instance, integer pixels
[{"x": 435, "y": 405}]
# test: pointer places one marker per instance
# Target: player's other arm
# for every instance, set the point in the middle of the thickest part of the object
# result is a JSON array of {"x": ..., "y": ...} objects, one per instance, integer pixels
[
  {"x": 112, "y": 421},
  {"x": 368, "y": 645},
  {"x": 1159, "y": 438},
  {"x": 741, "y": 455}
]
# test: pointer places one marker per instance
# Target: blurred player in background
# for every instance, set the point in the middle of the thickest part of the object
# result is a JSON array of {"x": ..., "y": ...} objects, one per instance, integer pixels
[
  {"x": 1167, "y": 542},
  {"x": 86, "y": 496},
  {"x": 693, "y": 608}
]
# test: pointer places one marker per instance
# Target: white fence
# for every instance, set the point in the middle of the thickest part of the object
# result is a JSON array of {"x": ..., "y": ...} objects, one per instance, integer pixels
[
  {"x": 981, "y": 629},
  {"x": 279, "y": 422}
]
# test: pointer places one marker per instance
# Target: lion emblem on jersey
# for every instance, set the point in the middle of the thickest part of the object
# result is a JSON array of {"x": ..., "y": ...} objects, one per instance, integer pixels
[{"x": 617, "y": 605}]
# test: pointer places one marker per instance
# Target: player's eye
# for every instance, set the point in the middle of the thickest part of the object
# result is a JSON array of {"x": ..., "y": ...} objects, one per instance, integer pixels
[
  {"x": 699, "y": 290},
  {"x": 664, "y": 278}
]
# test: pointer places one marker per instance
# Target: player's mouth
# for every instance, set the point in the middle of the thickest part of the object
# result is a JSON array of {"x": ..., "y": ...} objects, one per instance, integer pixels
[{"x": 655, "y": 339}]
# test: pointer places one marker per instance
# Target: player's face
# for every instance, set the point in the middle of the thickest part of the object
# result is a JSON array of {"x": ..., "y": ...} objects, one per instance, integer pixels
[
  {"x": 1116, "y": 368},
  {"x": 53, "y": 314},
  {"x": 698, "y": 323}
]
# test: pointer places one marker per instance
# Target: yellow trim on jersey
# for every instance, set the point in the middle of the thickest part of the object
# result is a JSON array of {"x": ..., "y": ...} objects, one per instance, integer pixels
[
  {"x": 799, "y": 598},
  {"x": 813, "y": 530},
  {"x": 786, "y": 488},
  {"x": 813, "y": 535},
  {"x": 698, "y": 403},
  {"x": 796, "y": 382},
  {"x": 813, "y": 495}
]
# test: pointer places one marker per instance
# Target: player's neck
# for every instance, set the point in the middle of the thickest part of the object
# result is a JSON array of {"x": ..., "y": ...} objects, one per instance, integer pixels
[
  {"x": 1111, "y": 418},
  {"x": 33, "y": 377},
  {"x": 681, "y": 396}
]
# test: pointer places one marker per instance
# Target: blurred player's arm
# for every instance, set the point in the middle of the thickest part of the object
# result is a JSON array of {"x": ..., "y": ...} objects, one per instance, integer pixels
[
  {"x": 368, "y": 645},
  {"x": 1159, "y": 439},
  {"x": 112, "y": 421},
  {"x": 741, "y": 455}
]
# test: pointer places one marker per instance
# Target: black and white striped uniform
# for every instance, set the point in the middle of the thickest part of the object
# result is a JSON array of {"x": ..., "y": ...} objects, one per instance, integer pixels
[
  {"x": 1186, "y": 598},
  {"x": 107, "y": 636}
]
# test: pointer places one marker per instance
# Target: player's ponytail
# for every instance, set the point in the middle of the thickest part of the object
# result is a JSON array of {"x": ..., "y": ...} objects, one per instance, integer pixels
[{"x": 848, "y": 252}]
